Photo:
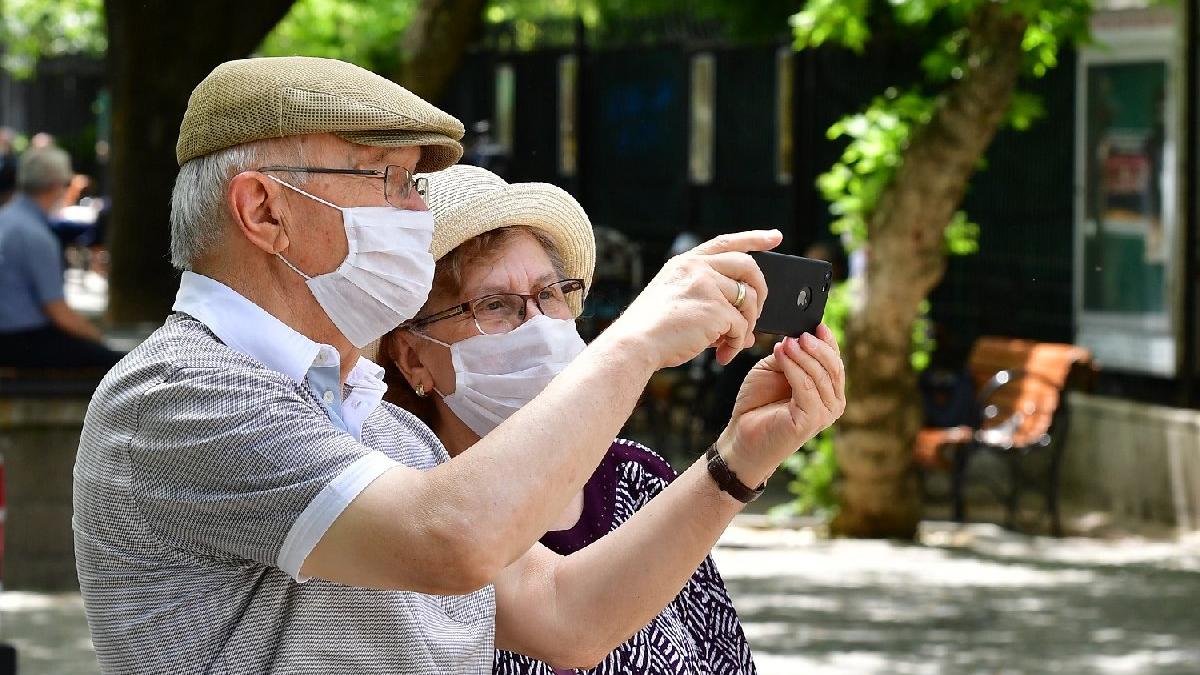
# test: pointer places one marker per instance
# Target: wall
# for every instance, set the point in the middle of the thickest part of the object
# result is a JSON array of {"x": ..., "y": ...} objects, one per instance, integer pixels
[
  {"x": 1134, "y": 460},
  {"x": 38, "y": 441}
]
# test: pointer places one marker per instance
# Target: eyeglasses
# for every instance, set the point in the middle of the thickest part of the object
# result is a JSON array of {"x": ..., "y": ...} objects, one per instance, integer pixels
[
  {"x": 499, "y": 313},
  {"x": 398, "y": 182}
]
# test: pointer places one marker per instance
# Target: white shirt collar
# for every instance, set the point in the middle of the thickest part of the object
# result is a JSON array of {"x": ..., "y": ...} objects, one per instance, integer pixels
[{"x": 251, "y": 330}]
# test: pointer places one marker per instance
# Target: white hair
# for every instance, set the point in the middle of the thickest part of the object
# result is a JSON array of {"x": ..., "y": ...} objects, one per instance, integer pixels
[
  {"x": 42, "y": 169},
  {"x": 199, "y": 212}
]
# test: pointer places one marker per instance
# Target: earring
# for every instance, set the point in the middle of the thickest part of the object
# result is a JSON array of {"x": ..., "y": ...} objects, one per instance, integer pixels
[{"x": 421, "y": 390}]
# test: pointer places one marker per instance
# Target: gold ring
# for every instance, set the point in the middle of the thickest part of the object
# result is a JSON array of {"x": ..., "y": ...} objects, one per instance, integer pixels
[{"x": 741, "y": 296}]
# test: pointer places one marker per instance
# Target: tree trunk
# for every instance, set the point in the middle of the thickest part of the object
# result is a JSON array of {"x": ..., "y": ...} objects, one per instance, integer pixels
[
  {"x": 905, "y": 260},
  {"x": 434, "y": 44},
  {"x": 159, "y": 51}
]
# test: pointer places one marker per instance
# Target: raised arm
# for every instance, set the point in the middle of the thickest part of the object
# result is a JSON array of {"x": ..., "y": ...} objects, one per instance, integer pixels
[
  {"x": 571, "y": 611},
  {"x": 454, "y": 528}
]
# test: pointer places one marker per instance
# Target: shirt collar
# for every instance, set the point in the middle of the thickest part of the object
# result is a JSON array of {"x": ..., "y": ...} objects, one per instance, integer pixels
[{"x": 251, "y": 330}]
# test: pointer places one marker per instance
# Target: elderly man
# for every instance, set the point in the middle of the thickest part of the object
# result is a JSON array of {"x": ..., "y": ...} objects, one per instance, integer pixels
[
  {"x": 37, "y": 327},
  {"x": 245, "y": 503}
]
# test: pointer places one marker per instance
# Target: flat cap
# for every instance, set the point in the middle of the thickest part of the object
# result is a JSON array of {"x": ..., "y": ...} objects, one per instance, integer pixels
[{"x": 254, "y": 99}]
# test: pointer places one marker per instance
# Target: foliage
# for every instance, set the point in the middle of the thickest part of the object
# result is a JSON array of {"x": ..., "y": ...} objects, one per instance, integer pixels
[
  {"x": 363, "y": 32},
  {"x": 763, "y": 20},
  {"x": 34, "y": 29},
  {"x": 878, "y": 136}
]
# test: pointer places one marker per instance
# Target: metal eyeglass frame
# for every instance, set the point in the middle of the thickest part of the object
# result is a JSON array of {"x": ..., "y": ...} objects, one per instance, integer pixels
[
  {"x": 409, "y": 183},
  {"x": 468, "y": 306}
]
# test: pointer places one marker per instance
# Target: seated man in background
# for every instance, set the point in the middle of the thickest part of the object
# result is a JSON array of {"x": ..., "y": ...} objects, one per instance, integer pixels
[{"x": 37, "y": 328}]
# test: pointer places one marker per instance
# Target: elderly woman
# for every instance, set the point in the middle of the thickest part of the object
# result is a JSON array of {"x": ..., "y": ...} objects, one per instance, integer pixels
[{"x": 514, "y": 263}]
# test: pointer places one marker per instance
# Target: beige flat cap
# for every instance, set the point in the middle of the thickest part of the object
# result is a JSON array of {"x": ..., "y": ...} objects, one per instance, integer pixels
[
  {"x": 467, "y": 201},
  {"x": 253, "y": 99}
]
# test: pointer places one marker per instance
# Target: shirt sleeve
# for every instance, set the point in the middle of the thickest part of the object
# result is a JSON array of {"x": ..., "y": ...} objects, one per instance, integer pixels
[
  {"x": 241, "y": 464},
  {"x": 42, "y": 259}
]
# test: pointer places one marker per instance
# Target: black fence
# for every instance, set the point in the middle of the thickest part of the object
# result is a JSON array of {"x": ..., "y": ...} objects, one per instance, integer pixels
[
  {"x": 61, "y": 98},
  {"x": 632, "y": 129}
]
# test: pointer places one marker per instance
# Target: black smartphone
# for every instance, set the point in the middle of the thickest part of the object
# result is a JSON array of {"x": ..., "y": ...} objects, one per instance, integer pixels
[{"x": 797, "y": 290}]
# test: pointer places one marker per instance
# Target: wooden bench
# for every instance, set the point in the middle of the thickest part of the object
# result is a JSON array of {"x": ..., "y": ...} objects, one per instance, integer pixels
[{"x": 1020, "y": 386}]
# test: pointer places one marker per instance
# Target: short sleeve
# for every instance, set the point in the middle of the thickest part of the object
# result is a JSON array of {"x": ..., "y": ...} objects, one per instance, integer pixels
[
  {"x": 241, "y": 463},
  {"x": 42, "y": 260}
]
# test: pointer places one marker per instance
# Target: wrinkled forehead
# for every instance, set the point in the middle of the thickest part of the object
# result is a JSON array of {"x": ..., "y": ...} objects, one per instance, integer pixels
[{"x": 497, "y": 261}]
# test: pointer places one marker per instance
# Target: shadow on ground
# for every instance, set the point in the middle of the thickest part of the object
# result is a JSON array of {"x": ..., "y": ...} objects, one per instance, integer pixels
[{"x": 879, "y": 607}]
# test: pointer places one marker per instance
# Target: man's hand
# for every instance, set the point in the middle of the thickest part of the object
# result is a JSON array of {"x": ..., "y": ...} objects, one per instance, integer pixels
[
  {"x": 688, "y": 306},
  {"x": 786, "y": 399}
]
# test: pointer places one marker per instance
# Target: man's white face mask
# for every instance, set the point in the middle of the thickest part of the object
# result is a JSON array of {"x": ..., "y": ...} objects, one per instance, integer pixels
[
  {"x": 386, "y": 276},
  {"x": 496, "y": 375}
]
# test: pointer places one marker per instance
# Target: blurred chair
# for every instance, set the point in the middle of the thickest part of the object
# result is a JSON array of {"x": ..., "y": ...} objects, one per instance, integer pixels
[{"x": 1021, "y": 411}]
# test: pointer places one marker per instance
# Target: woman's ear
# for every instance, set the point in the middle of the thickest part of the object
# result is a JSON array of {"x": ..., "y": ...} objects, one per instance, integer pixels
[
  {"x": 255, "y": 206},
  {"x": 405, "y": 354}
]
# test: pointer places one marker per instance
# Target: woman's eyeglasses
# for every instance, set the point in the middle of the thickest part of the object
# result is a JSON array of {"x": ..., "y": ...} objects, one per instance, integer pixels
[{"x": 498, "y": 313}]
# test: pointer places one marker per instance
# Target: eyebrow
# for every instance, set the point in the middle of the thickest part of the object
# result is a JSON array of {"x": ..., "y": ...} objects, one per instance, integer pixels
[{"x": 538, "y": 283}]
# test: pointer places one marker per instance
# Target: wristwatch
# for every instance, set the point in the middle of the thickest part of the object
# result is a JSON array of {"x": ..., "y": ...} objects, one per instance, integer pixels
[{"x": 727, "y": 480}]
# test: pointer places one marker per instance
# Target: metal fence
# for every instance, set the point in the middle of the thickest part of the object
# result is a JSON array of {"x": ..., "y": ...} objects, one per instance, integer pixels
[{"x": 654, "y": 141}]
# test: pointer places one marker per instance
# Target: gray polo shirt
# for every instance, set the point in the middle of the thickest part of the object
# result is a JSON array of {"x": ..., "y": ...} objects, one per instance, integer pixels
[
  {"x": 31, "y": 273},
  {"x": 212, "y": 460}
]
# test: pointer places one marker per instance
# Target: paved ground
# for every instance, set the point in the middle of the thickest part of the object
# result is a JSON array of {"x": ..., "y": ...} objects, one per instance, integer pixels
[
  {"x": 978, "y": 600},
  {"x": 973, "y": 600}
]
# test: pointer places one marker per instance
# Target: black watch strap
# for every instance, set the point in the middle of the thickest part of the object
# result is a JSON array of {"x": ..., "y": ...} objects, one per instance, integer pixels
[{"x": 727, "y": 480}]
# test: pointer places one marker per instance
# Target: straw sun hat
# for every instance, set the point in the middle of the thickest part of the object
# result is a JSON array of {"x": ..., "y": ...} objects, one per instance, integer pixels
[
  {"x": 254, "y": 99},
  {"x": 467, "y": 201}
]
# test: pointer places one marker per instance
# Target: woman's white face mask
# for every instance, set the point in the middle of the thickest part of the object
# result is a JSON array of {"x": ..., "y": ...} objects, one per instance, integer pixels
[
  {"x": 496, "y": 375},
  {"x": 386, "y": 276}
]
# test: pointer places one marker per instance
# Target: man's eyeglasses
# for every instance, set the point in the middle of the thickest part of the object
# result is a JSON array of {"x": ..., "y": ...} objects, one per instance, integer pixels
[
  {"x": 499, "y": 313},
  {"x": 398, "y": 182}
]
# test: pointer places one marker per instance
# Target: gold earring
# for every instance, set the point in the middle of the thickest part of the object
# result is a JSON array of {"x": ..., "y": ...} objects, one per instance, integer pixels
[{"x": 421, "y": 390}]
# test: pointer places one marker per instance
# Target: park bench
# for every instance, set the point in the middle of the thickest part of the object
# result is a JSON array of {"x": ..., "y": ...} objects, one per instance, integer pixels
[{"x": 1019, "y": 387}]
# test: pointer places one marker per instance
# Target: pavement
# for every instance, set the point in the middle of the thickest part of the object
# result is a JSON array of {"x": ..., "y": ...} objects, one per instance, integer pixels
[{"x": 966, "y": 599}]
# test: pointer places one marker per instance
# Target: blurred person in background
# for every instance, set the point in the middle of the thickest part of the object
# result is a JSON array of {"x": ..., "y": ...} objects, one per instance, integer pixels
[
  {"x": 8, "y": 165},
  {"x": 37, "y": 327},
  {"x": 43, "y": 139},
  {"x": 535, "y": 238}
]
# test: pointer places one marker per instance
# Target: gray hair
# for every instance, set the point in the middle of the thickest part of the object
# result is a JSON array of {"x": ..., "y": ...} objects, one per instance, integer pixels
[
  {"x": 42, "y": 169},
  {"x": 199, "y": 213}
]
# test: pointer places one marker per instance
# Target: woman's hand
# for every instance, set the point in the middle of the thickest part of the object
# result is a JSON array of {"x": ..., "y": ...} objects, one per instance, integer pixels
[
  {"x": 786, "y": 399},
  {"x": 688, "y": 306}
]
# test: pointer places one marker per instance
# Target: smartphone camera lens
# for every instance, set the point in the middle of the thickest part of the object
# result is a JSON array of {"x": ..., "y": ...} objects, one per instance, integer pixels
[{"x": 804, "y": 299}]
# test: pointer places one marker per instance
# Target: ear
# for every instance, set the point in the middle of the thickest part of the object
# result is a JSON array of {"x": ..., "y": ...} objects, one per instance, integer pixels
[
  {"x": 404, "y": 349},
  {"x": 257, "y": 208}
]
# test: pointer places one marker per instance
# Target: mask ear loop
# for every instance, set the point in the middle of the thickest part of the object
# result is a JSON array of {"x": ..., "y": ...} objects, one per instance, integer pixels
[
  {"x": 310, "y": 196},
  {"x": 306, "y": 194}
]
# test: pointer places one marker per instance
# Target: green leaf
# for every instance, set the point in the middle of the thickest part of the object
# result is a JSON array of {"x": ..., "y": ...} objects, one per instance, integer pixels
[{"x": 31, "y": 30}]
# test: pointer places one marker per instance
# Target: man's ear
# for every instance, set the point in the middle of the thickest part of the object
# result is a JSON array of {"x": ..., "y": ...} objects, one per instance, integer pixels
[
  {"x": 402, "y": 349},
  {"x": 256, "y": 205}
]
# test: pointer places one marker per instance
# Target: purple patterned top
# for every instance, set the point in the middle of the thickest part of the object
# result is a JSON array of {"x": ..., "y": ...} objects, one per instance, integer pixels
[{"x": 698, "y": 632}]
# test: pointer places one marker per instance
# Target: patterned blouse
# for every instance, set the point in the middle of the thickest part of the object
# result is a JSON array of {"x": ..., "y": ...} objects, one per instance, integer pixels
[{"x": 698, "y": 633}]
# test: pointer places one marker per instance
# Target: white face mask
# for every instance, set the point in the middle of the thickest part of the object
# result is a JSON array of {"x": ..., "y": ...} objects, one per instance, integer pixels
[
  {"x": 386, "y": 276},
  {"x": 495, "y": 375}
]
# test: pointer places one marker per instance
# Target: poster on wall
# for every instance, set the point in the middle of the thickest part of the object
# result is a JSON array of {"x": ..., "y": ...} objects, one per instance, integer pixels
[{"x": 1125, "y": 209}]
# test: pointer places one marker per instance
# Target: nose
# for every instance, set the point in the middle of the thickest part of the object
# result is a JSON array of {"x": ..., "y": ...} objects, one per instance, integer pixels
[{"x": 525, "y": 309}]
